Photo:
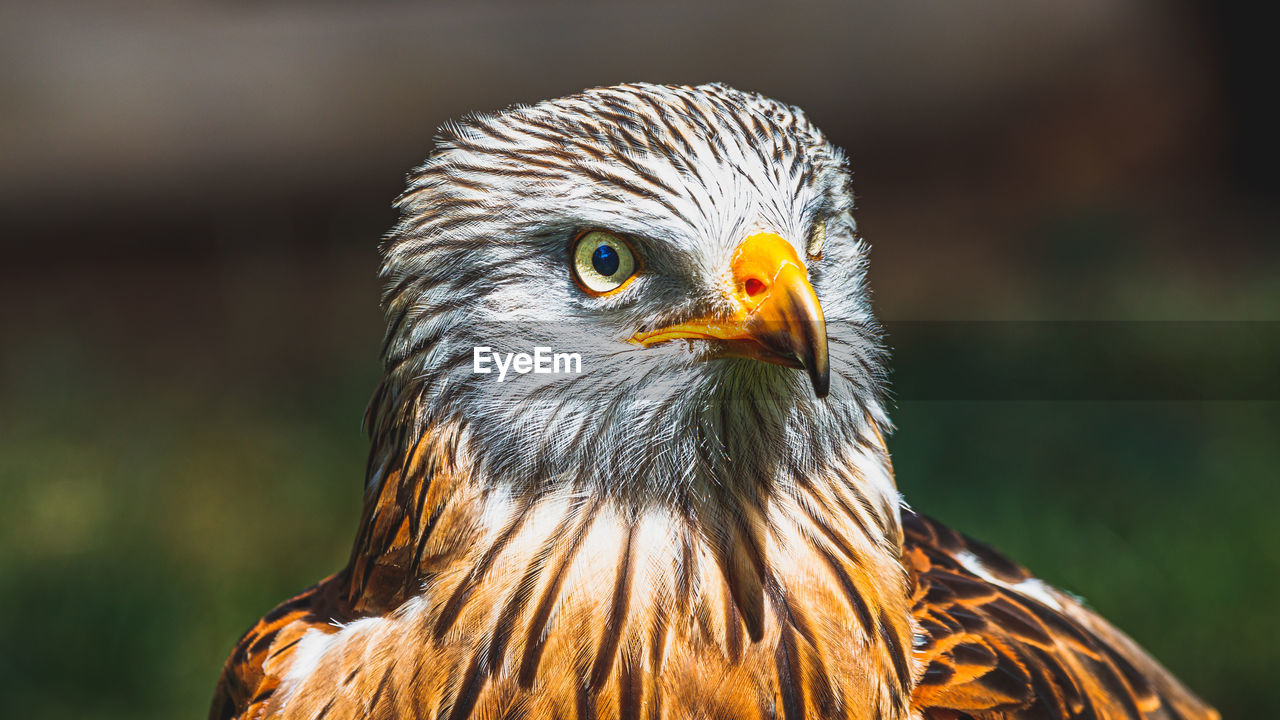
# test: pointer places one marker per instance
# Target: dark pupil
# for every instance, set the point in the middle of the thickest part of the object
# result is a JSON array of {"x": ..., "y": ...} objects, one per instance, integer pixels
[{"x": 605, "y": 260}]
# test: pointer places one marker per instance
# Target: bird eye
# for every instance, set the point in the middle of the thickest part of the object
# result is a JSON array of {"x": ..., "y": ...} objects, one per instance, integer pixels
[
  {"x": 602, "y": 261},
  {"x": 816, "y": 237}
]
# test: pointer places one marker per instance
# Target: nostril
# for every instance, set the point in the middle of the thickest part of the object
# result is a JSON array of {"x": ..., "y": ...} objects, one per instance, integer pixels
[{"x": 753, "y": 286}]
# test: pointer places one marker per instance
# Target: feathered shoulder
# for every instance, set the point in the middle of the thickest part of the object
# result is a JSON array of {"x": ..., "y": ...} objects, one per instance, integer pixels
[
  {"x": 264, "y": 654},
  {"x": 998, "y": 643}
]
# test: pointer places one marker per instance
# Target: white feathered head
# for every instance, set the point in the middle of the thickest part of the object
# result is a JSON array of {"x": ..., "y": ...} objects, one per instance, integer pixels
[{"x": 694, "y": 247}]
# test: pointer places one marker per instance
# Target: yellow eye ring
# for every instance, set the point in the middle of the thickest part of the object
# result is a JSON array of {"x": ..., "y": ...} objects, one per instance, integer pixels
[{"x": 602, "y": 262}]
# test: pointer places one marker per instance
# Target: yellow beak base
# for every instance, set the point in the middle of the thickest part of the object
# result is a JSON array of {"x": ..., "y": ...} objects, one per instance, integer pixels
[{"x": 779, "y": 318}]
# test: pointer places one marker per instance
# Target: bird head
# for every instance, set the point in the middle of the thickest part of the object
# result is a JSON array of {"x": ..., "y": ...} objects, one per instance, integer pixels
[{"x": 693, "y": 247}]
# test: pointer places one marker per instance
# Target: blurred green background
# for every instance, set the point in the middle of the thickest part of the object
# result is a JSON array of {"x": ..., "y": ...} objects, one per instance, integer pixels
[{"x": 192, "y": 196}]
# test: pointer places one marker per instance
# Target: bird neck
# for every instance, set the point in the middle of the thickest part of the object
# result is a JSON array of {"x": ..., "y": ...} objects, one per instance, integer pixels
[
  {"x": 762, "y": 574},
  {"x": 427, "y": 505}
]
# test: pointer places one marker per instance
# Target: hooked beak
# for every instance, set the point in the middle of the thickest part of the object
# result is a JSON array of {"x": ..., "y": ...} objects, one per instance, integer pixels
[{"x": 779, "y": 319}]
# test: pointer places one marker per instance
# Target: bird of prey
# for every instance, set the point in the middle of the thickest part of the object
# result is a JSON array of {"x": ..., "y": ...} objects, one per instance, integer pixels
[{"x": 698, "y": 521}]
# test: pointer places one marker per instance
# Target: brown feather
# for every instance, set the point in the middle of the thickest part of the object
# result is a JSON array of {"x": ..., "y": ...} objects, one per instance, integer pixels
[
  {"x": 561, "y": 604},
  {"x": 567, "y": 605},
  {"x": 993, "y": 651}
]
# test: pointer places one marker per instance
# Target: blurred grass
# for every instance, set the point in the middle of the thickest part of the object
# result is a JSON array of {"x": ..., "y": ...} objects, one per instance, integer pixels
[{"x": 144, "y": 530}]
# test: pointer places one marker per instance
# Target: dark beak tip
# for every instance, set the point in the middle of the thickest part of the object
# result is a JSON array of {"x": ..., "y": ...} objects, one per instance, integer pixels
[
  {"x": 821, "y": 381},
  {"x": 817, "y": 363}
]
